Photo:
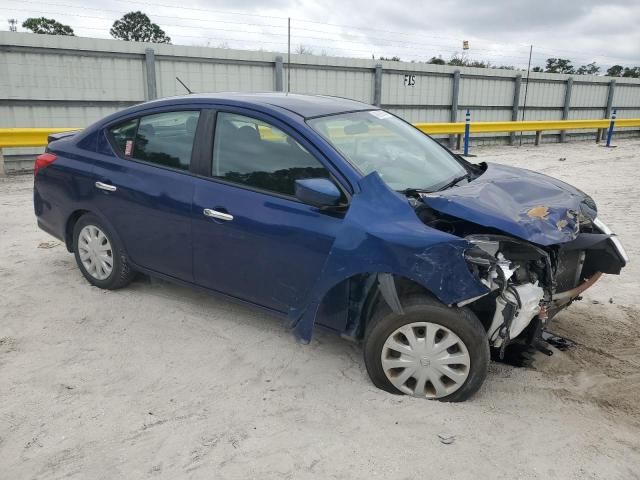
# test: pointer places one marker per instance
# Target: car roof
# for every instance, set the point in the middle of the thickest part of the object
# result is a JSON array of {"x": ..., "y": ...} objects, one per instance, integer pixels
[{"x": 307, "y": 106}]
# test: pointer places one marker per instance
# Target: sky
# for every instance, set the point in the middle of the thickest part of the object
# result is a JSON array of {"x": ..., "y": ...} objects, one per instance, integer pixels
[{"x": 498, "y": 31}]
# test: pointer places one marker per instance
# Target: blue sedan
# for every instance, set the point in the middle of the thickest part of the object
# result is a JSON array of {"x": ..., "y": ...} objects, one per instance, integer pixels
[{"x": 328, "y": 212}]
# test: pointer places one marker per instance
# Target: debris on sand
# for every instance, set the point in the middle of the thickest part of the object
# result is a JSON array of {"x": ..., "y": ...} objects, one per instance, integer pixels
[{"x": 447, "y": 440}]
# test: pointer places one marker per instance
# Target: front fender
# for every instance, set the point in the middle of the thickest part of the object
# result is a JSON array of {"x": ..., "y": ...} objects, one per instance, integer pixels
[{"x": 382, "y": 234}]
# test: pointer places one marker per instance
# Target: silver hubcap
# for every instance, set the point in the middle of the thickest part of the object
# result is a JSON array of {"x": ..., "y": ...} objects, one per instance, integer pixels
[
  {"x": 95, "y": 252},
  {"x": 426, "y": 360}
]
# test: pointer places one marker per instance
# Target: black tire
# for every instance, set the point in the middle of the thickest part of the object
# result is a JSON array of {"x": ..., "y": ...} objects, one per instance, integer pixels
[
  {"x": 422, "y": 308},
  {"x": 121, "y": 273}
]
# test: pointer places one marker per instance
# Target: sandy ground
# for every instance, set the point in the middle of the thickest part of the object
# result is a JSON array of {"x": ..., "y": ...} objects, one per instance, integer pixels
[{"x": 160, "y": 381}]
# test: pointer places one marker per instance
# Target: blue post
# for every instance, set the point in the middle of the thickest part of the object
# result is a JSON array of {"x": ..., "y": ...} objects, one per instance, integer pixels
[
  {"x": 611, "y": 124},
  {"x": 466, "y": 133}
]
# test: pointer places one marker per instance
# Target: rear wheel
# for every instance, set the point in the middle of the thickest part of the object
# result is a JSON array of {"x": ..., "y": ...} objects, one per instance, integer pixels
[
  {"x": 431, "y": 351},
  {"x": 99, "y": 257}
]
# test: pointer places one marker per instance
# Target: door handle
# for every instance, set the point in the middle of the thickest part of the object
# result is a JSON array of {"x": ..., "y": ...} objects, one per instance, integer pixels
[
  {"x": 106, "y": 187},
  {"x": 208, "y": 212}
]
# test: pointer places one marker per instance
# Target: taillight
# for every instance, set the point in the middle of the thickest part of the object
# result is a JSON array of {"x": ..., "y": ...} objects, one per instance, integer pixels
[{"x": 43, "y": 161}]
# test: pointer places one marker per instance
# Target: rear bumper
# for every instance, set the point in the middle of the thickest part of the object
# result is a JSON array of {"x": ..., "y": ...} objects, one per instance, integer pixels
[
  {"x": 49, "y": 216},
  {"x": 51, "y": 231}
]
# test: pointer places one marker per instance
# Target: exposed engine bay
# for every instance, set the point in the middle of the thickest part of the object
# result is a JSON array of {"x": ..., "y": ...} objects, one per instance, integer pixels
[{"x": 529, "y": 283}]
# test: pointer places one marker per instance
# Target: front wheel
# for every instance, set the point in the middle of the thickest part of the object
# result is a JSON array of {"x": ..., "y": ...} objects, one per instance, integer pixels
[
  {"x": 98, "y": 255},
  {"x": 431, "y": 351}
]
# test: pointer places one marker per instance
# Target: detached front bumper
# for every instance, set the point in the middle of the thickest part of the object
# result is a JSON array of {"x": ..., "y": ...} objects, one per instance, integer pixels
[
  {"x": 600, "y": 225},
  {"x": 604, "y": 256}
]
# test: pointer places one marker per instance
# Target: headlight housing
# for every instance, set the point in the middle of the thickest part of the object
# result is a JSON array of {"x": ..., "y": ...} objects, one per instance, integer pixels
[{"x": 600, "y": 225}]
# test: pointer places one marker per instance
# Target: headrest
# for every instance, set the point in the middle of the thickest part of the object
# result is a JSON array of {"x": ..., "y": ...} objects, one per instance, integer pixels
[
  {"x": 146, "y": 129},
  {"x": 192, "y": 124},
  {"x": 247, "y": 134}
]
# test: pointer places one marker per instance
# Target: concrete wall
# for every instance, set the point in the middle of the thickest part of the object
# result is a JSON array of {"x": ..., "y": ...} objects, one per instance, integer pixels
[{"x": 53, "y": 81}]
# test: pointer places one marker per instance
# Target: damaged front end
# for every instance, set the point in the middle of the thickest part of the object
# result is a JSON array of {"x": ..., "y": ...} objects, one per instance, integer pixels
[
  {"x": 530, "y": 284},
  {"x": 516, "y": 275},
  {"x": 563, "y": 249}
]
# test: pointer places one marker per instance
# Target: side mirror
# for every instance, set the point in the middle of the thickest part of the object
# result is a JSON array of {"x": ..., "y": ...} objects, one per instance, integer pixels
[{"x": 319, "y": 192}]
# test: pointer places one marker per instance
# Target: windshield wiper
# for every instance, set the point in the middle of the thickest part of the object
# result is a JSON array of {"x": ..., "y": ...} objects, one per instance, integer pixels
[
  {"x": 456, "y": 180},
  {"x": 415, "y": 191}
]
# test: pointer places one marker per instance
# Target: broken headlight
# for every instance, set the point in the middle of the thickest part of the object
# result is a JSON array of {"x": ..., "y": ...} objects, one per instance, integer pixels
[
  {"x": 487, "y": 262},
  {"x": 480, "y": 257},
  {"x": 482, "y": 261},
  {"x": 484, "y": 243}
]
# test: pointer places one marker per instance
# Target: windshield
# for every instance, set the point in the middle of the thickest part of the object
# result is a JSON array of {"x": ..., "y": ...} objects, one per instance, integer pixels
[{"x": 376, "y": 141}]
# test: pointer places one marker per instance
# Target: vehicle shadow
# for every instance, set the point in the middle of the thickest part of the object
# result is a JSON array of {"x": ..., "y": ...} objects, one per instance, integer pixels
[{"x": 325, "y": 346}]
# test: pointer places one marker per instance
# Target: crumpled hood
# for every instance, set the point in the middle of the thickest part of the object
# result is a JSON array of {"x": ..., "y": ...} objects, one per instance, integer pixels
[{"x": 526, "y": 204}]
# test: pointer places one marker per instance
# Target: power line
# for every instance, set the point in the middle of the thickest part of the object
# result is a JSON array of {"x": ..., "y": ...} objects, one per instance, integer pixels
[
  {"x": 122, "y": 12},
  {"x": 376, "y": 42},
  {"x": 363, "y": 40}
]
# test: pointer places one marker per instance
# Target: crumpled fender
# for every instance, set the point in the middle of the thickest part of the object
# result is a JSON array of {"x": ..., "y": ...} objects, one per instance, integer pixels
[
  {"x": 382, "y": 234},
  {"x": 530, "y": 205}
]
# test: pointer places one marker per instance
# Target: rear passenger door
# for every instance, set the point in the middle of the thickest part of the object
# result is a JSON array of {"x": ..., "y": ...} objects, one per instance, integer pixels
[
  {"x": 261, "y": 244},
  {"x": 144, "y": 187}
]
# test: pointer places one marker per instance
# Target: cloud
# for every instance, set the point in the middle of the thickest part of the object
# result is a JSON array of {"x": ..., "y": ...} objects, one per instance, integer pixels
[{"x": 499, "y": 31}]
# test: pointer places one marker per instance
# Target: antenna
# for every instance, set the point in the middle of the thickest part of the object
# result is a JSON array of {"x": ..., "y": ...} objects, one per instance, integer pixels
[{"x": 185, "y": 87}]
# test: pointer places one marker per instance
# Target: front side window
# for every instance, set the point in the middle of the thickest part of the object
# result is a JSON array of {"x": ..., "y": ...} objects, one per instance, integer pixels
[
  {"x": 376, "y": 141},
  {"x": 254, "y": 153},
  {"x": 163, "y": 138}
]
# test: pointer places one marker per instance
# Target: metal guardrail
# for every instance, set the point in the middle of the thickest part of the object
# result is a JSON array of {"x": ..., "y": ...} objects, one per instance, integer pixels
[
  {"x": 37, "y": 137},
  {"x": 28, "y": 137},
  {"x": 527, "y": 126}
]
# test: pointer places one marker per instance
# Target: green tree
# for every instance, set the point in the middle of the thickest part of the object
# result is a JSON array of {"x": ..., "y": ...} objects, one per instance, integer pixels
[
  {"x": 391, "y": 59},
  {"x": 559, "y": 65},
  {"x": 633, "y": 72},
  {"x": 479, "y": 64},
  {"x": 615, "y": 71},
  {"x": 47, "y": 26},
  {"x": 461, "y": 60},
  {"x": 589, "y": 69},
  {"x": 136, "y": 27},
  {"x": 437, "y": 61},
  {"x": 537, "y": 69},
  {"x": 304, "y": 50},
  {"x": 458, "y": 61}
]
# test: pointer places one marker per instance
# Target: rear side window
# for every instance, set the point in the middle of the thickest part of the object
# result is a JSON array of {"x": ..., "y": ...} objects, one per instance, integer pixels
[
  {"x": 123, "y": 136},
  {"x": 164, "y": 139},
  {"x": 254, "y": 153}
]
